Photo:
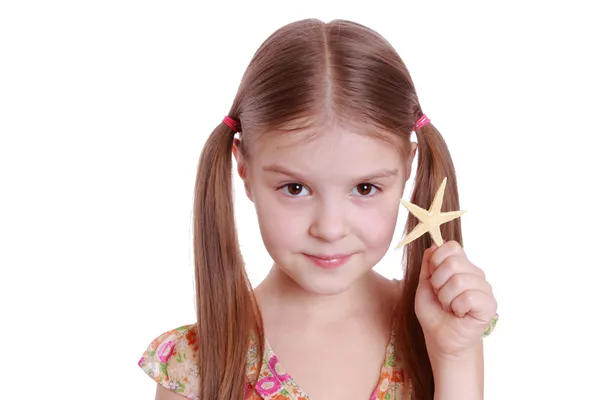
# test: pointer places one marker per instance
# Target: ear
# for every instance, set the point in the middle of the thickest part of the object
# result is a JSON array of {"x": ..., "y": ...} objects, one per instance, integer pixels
[
  {"x": 241, "y": 167},
  {"x": 237, "y": 156},
  {"x": 411, "y": 157}
]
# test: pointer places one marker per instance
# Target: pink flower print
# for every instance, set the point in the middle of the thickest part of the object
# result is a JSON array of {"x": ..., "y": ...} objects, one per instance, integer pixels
[
  {"x": 267, "y": 386},
  {"x": 165, "y": 350},
  {"x": 276, "y": 368},
  {"x": 142, "y": 361}
]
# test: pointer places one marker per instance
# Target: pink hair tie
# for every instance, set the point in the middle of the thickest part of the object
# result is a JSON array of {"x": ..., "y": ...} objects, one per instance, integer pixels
[
  {"x": 232, "y": 123},
  {"x": 422, "y": 121}
]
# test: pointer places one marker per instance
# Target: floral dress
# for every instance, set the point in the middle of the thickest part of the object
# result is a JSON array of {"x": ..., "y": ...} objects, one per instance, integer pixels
[{"x": 170, "y": 360}]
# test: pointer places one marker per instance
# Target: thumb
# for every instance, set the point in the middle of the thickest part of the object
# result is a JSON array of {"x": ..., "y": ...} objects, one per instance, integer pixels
[{"x": 425, "y": 267}]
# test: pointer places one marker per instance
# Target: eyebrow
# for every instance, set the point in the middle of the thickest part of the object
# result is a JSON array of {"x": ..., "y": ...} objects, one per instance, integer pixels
[{"x": 278, "y": 169}]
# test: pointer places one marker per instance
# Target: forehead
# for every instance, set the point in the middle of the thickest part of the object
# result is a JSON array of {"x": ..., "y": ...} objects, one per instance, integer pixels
[{"x": 334, "y": 150}]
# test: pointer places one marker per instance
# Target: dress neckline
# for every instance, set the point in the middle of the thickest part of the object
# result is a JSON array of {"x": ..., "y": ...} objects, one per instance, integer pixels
[{"x": 274, "y": 380}]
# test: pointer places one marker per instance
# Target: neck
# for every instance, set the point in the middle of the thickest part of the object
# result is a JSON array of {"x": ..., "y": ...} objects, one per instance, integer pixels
[{"x": 280, "y": 298}]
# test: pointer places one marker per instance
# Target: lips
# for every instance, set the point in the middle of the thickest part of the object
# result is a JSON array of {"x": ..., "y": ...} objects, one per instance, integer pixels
[{"x": 328, "y": 261}]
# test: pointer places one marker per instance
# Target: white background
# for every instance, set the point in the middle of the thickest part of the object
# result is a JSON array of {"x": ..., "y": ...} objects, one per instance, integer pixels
[{"x": 105, "y": 106}]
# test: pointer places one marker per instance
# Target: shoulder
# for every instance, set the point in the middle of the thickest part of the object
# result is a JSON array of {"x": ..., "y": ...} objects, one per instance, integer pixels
[{"x": 170, "y": 360}]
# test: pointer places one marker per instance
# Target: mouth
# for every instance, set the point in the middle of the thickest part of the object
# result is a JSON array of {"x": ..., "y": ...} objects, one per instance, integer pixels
[{"x": 328, "y": 261}]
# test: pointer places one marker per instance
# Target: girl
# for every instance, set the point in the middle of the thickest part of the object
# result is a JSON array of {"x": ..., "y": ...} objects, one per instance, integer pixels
[{"x": 324, "y": 114}]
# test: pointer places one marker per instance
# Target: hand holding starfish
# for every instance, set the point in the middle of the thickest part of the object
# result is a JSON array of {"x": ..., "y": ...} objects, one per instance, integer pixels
[{"x": 454, "y": 302}]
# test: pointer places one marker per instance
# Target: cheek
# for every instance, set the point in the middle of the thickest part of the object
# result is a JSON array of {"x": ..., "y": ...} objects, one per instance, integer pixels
[
  {"x": 280, "y": 228},
  {"x": 377, "y": 226}
]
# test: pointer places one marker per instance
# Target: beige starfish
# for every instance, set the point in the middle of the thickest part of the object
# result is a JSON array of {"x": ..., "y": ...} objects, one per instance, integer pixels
[{"x": 430, "y": 220}]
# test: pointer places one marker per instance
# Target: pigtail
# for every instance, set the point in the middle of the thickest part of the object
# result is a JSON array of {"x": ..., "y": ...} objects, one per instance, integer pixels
[
  {"x": 434, "y": 164},
  {"x": 226, "y": 308}
]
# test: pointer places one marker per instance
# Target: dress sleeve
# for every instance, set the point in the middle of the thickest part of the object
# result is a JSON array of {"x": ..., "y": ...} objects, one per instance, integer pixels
[{"x": 170, "y": 360}]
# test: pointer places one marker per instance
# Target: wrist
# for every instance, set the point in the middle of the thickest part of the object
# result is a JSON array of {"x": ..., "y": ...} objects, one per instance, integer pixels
[
  {"x": 458, "y": 376},
  {"x": 465, "y": 358}
]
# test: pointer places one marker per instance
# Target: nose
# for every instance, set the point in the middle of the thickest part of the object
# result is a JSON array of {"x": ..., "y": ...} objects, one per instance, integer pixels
[{"x": 330, "y": 223}]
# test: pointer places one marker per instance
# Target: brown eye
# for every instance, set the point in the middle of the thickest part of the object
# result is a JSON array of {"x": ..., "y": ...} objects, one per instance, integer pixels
[
  {"x": 365, "y": 189},
  {"x": 294, "y": 189}
]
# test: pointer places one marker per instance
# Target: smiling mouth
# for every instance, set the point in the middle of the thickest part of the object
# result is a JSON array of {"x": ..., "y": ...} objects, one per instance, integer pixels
[{"x": 328, "y": 261}]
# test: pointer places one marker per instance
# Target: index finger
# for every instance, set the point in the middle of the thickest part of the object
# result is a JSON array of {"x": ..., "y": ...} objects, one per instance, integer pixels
[{"x": 426, "y": 262}]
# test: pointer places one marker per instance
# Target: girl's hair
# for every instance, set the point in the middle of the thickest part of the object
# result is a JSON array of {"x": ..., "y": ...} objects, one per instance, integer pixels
[{"x": 305, "y": 74}]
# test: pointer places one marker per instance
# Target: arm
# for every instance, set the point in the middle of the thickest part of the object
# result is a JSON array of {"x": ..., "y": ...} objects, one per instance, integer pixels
[
  {"x": 162, "y": 393},
  {"x": 459, "y": 378}
]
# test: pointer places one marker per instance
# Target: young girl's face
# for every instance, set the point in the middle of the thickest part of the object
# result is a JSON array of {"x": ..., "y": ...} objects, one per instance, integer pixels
[{"x": 327, "y": 207}]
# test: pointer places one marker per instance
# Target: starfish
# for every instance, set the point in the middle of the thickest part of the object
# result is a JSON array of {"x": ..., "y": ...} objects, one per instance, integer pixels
[{"x": 430, "y": 219}]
